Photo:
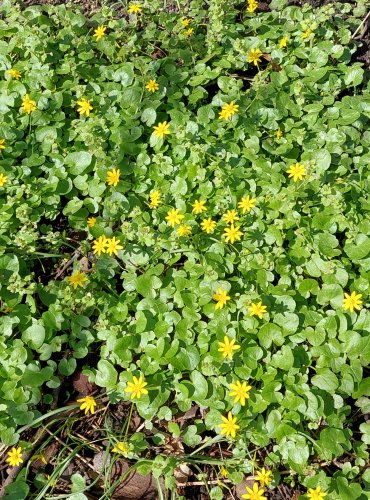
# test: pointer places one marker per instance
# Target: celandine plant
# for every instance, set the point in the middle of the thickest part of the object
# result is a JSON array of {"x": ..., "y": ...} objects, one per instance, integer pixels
[{"x": 185, "y": 214}]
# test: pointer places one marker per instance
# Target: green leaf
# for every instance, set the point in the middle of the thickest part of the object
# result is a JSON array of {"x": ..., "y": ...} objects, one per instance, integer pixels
[
  {"x": 106, "y": 375},
  {"x": 358, "y": 250},
  {"x": 149, "y": 116},
  {"x": 200, "y": 386},
  {"x": 78, "y": 161},
  {"x": 325, "y": 380},
  {"x": 270, "y": 333},
  {"x": 125, "y": 74},
  {"x": 353, "y": 76},
  {"x": 34, "y": 335}
]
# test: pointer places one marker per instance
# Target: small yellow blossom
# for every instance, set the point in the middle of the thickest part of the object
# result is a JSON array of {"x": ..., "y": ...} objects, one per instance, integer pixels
[
  {"x": 352, "y": 301},
  {"x": 306, "y": 33},
  {"x": 188, "y": 32},
  {"x": 135, "y": 8},
  {"x": 254, "y": 493},
  {"x": 279, "y": 133},
  {"x": 228, "y": 110},
  {"x": 227, "y": 347},
  {"x": 231, "y": 216},
  {"x": 240, "y": 392},
  {"x": 186, "y": 22},
  {"x": 224, "y": 471},
  {"x": 40, "y": 456},
  {"x": 28, "y": 105},
  {"x": 99, "y": 32},
  {"x": 257, "y": 309},
  {"x": 15, "y": 457},
  {"x": 88, "y": 404},
  {"x": 152, "y": 86},
  {"x": 161, "y": 129},
  {"x": 100, "y": 245},
  {"x": 283, "y": 42},
  {"x": 229, "y": 427},
  {"x": 184, "y": 230},
  {"x": 208, "y": 225},
  {"x": 85, "y": 107},
  {"x": 221, "y": 298},
  {"x": 137, "y": 387},
  {"x": 121, "y": 447},
  {"x": 247, "y": 203},
  {"x": 173, "y": 217},
  {"x": 264, "y": 477},
  {"x": 232, "y": 234},
  {"x": 112, "y": 246},
  {"x": 113, "y": 177},
  {"x": 3, "y": 180},
  {"x": 14, "y": 73},
  {"x": 154, "y": 199},
  {"x": 198, "y": 207},
  {"x": 252, "y": 6},
  {"x": 297, "y": 172},
  {"x": 2, "y": 144},
  {"x": 316, "y": 494},
  {"x": 77, "y": 279},
  {"x": 91, "y": 221},
  {"x": 254, "y": 56}
]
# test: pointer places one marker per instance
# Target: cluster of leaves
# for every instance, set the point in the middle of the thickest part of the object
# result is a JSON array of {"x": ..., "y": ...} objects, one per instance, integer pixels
[{"x": 148, "y": 311}]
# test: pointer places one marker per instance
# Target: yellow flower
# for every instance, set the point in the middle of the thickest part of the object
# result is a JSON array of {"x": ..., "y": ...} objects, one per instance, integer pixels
[
  {"x": 208, "y": 225},
  {"x": 121, "y": 447},
  {"x": 240, "y": 392},
  {"x": 152, "y": 86},
  {"x": 297, "y": 172},
  {"x": 231, "y": 216},
  {"x": 91, "y": 221},
  {"x": 85, "y": 107},
  {"x": 161, "y": 129},
  {"x": 227, "y": 347},
  {"x": 257, "y": 310},
  {"x": 3, "y": 180},
  {"x": 155, "y": 199},
  {"x": 188, "y": 32},
  {"x": 28, "y": 105},
  {"x": 77, "y": 279},
  {"x": 183, "y": 230},
  {"x": 100, "y": 245},
  {"x": 99, "y": 32},
  {"x": 112, "y": 246},
  {"x": 113, "y": 177},
  {"x": 232, "y": 234},
  {"x": 41, "y": 457},
  {"x": 283, "y": 42},
  {"x": 137, "y": 387},
  {"x": 2, "y": 144},
  {"x": 254, "y": 56},
  {"x": 14, "y": 73},
  {"x": 264, "y": 477},
  {"x": 306, "y": 33},
  {"x": 186, "y": 22},
  {"x": 247, "y": 203},
  {"x": 228, "y": 110},
  {"x": 254, "y": 494},
  {"x": 15, "y": 457},
  {"x": 88, "y": 404},
  {"x": 252, "y": 6},
  {"x": 221, "y": 298},
  {"x": 135, "y": 8},
  {"x": 173, "y": 217},
  {"x": 352, "y": 301},
  {"x": 316, "y": 494},
  {"x": 229, "y": 427},
  {"x": 224, "y": 471},
  {"x": 198, "y": 207},
  {"x": 279, "y": 133}
]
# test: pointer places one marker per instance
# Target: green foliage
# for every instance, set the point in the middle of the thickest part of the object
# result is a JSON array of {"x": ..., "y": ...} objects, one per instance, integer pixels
[{"x": 149, "y": 310}]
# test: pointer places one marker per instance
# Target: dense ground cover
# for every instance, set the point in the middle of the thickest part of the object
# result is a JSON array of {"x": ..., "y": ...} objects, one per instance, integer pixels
[{"x": 185, "y": 218}]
